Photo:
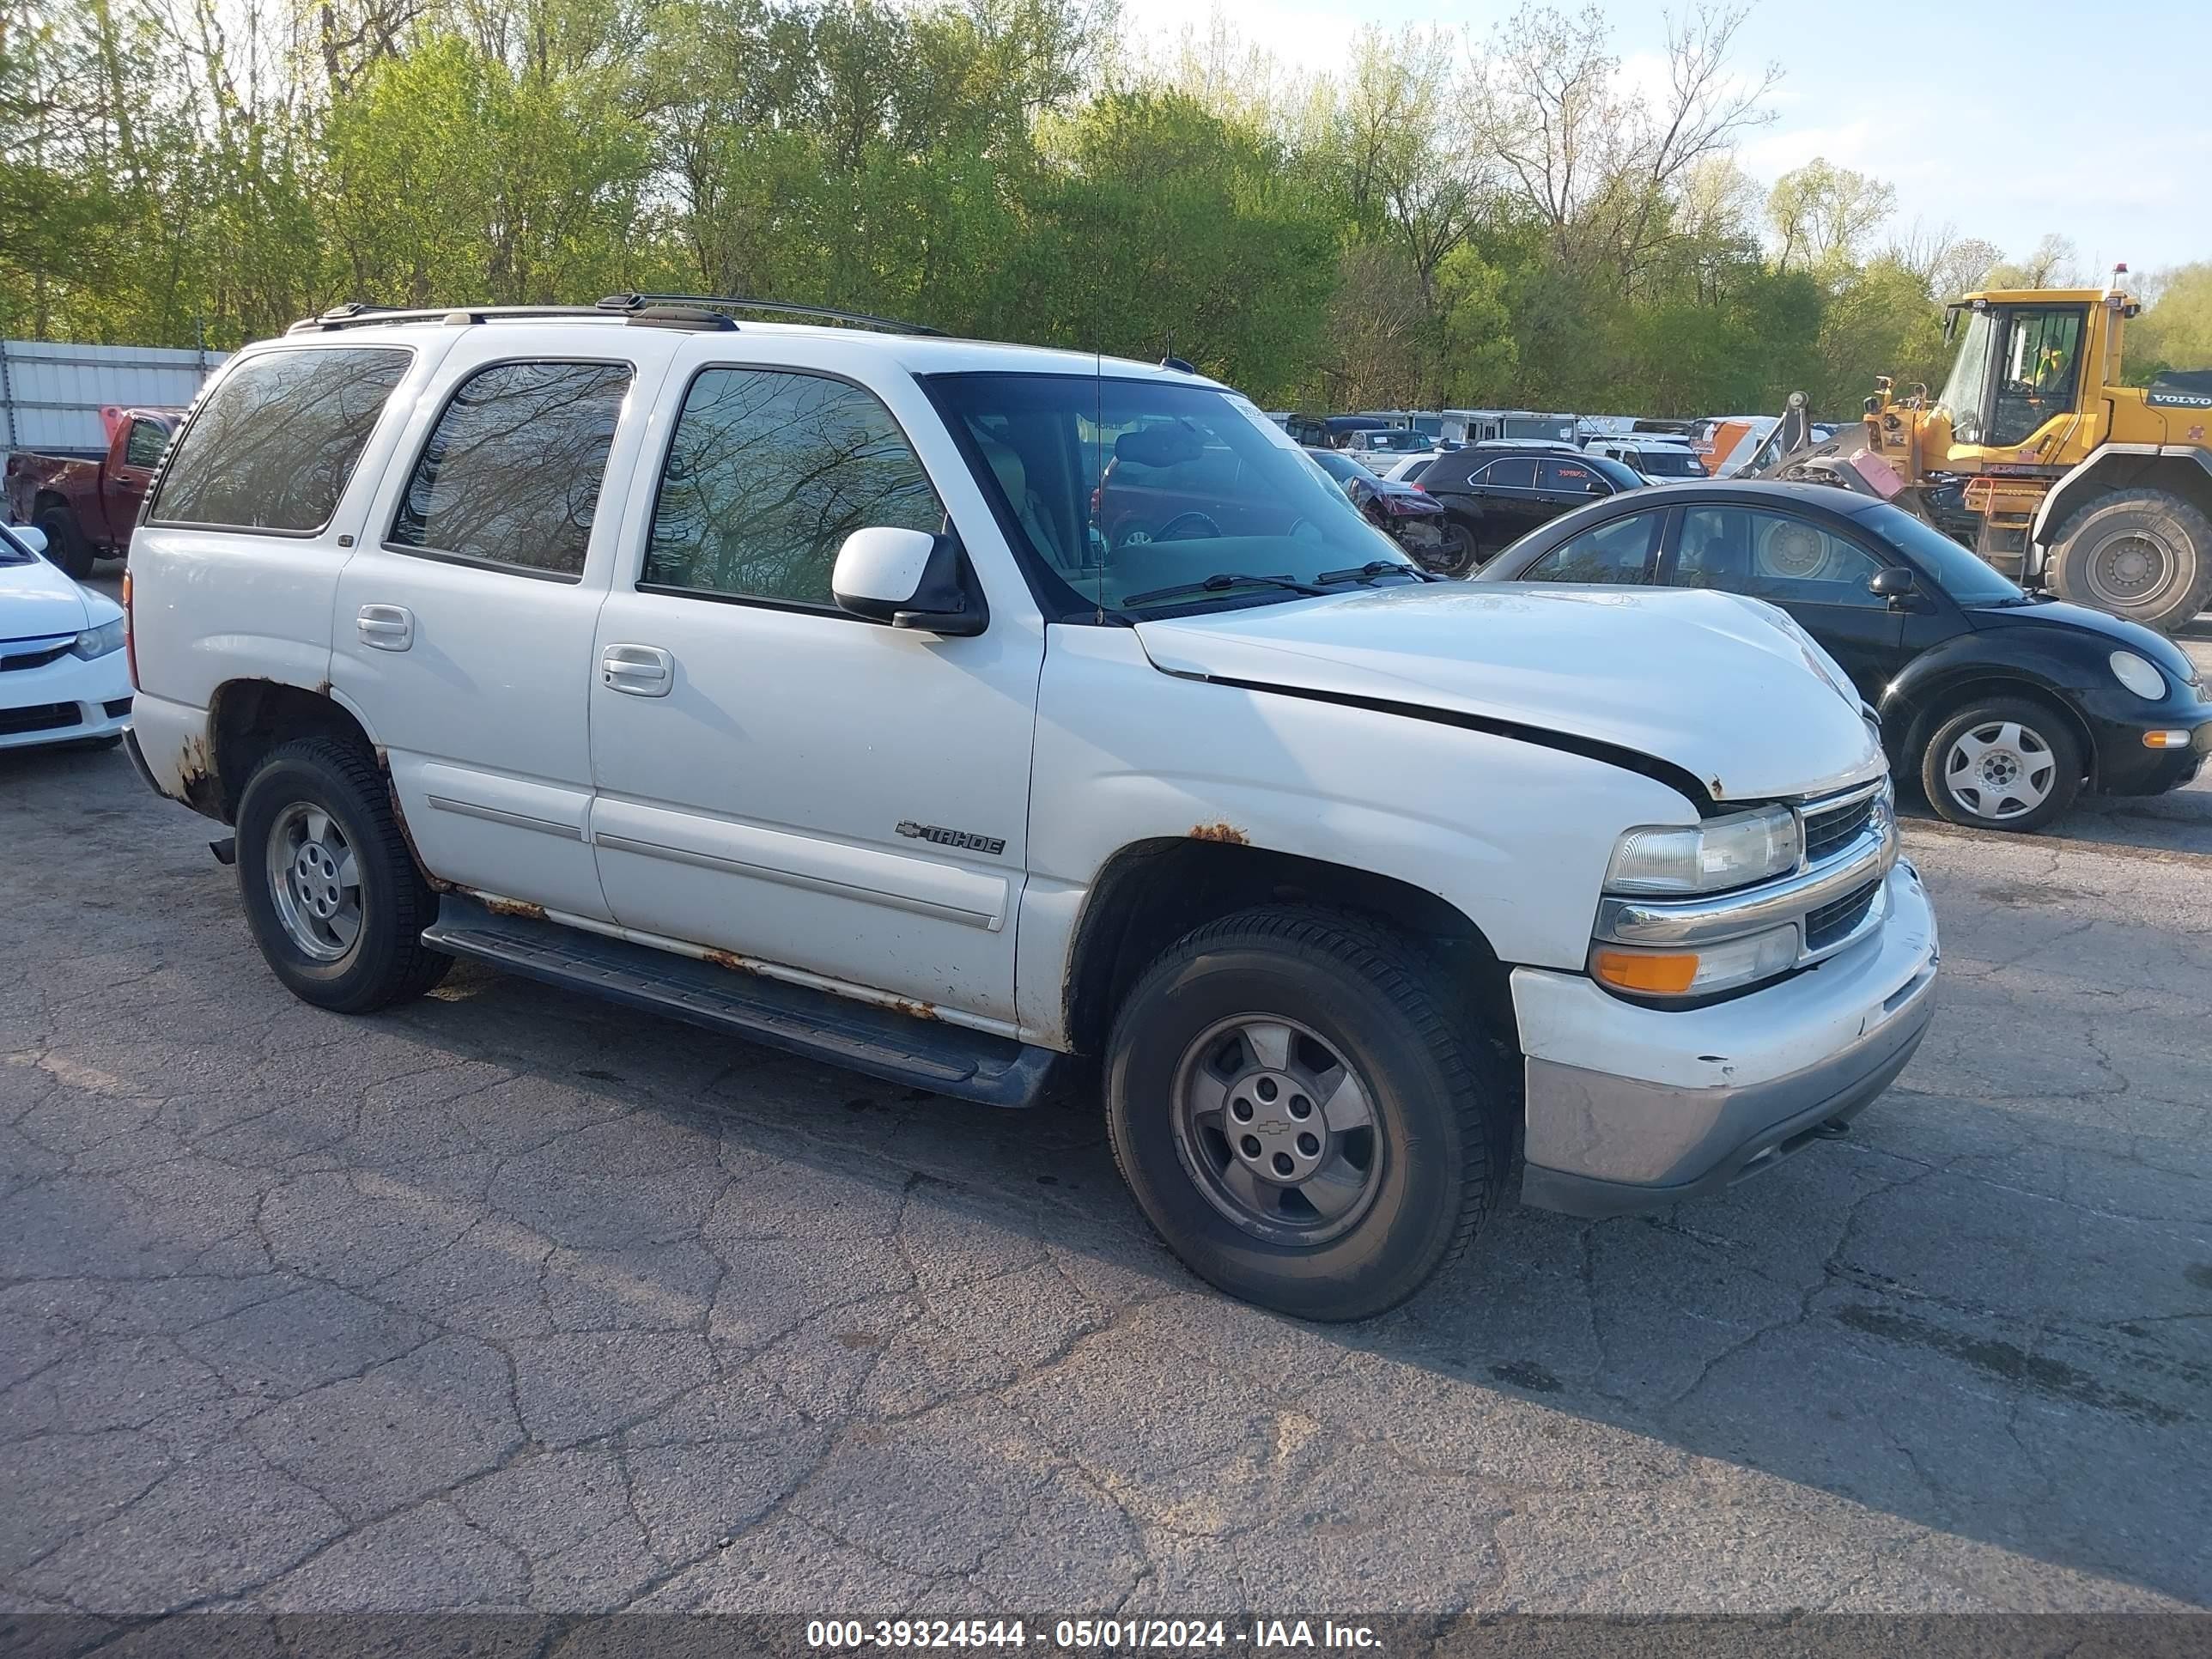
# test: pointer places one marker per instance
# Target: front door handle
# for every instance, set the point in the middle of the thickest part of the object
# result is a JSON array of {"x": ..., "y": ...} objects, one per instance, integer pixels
[
  {"x": 385, "y": 627},
  {"x": 641, "y": 671}
]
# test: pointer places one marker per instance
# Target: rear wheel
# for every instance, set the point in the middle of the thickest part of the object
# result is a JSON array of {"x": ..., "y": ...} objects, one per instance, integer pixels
[
  {"x": 1298, "y": 1117},
  {"x": 2142, "y": 554},
  {"x": 64, "y": 546},
  {"x": 331, "y": 892},
  {"x": 2003, "y": 763}
]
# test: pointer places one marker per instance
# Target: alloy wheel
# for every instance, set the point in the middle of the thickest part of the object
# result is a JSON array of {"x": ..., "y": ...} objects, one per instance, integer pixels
[
  {"x": 314, "y": 880},
  {"x": 2000, "y": 769},
  {"x": 1276, "y": 1129}
]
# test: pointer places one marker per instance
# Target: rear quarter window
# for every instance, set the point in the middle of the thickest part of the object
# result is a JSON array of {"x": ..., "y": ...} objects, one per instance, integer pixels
[{"x": 273, "y": 445}]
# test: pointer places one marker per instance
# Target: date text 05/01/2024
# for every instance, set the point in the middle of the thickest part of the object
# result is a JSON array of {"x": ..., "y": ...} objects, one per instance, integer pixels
[{"x": 1084, "y": 1635}]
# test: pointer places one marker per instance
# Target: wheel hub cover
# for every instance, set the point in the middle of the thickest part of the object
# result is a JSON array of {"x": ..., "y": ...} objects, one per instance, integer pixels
[
  {"x": 315, "y": 879},
  {"x": 1274, "y": 1127}
]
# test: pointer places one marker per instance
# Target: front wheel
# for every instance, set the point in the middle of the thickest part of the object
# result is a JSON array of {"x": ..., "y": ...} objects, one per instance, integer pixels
[
  {"x": 1454, "y": 554},
  {"x": 2005, "y": 763},
  {"x": 2141, "y": 554},
  {"x": 1297, "y": 1114},
  {"x": 331, "y": 890}
]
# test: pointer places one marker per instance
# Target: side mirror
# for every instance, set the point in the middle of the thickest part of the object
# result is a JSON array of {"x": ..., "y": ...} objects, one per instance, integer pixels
[
  {"x": 1891, "y": 583},
  {"x": 909, "y": 579},
  {"x": 30, "y": 534}
]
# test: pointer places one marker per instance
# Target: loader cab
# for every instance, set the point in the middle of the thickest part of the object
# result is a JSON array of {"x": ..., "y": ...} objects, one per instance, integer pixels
[{"x": 2016, "y": 382}]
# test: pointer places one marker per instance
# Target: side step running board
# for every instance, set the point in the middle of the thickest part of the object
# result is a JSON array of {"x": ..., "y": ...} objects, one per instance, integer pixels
[{"x": 945, "y": 1059}]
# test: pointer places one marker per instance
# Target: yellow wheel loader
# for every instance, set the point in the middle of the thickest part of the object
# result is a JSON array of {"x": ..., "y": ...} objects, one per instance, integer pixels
[{"x": 2035, "y": 456}]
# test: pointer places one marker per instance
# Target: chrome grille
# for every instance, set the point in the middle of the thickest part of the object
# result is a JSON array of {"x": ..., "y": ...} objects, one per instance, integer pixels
[
  {"x": 1835, "y": 920},
  {"x": 1830, "y": 829}
]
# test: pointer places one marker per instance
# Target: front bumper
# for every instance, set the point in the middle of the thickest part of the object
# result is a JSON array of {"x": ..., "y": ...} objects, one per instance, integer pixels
[
  {"x": 1632, "y": 1108},
  {"x": 2118, "y": 719},
  {"x": 67, "y": 700}
]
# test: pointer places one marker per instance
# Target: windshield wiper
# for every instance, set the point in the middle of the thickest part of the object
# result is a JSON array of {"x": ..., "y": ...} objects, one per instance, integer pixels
[
  {"x": 1219, "y": 582},
  {"x": 1375, "y": 567}
]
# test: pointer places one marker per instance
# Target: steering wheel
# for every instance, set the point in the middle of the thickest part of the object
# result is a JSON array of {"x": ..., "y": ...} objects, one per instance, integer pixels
[{"x": 1167, "y": 532}]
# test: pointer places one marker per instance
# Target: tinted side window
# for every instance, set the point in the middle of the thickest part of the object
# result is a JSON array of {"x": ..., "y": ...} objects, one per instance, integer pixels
[
  {"x": 512, "y": 471},
  {"x": 144, "y": 446},
  {"x": 1572, "y": 478},
  {"x": 1771, "y": 555},
  {"x": 1514, "y": 473},
  {"x": 767, "y": 473},
  {"x": 274, "y": 444},
  {"x": 1618, "y": 554}
]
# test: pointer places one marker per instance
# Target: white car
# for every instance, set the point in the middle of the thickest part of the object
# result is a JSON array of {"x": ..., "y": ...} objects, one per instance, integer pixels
[
  {"x": 1657, "y": 460},
  {"x": 942, "y": 709},
  {"x": 65, "y": 676}
]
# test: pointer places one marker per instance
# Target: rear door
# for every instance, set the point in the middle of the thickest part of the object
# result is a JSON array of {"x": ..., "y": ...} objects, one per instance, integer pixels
[{"x": 464, "y": 623}]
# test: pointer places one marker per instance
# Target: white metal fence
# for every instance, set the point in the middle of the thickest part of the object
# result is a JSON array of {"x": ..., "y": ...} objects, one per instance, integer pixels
[{"x": 51, "y": 391}]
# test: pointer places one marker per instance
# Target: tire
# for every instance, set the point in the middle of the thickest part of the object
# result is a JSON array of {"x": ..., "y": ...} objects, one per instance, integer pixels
[
  {"x": 2019, "y": 735},
  {"x": 2100, "y": 549},
  {"x": 300, "y": 794},
  {"x": 1456, "y": 557},
  {"x": 64, "y": 545},
  {"x": 1435, "y": 1145}
]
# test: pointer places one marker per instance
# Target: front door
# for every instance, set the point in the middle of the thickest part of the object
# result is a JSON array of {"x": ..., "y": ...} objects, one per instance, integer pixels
[
  {"x": 777, "y": 778},
  {"x": 1819, "y": 576},
  {"x": 463, "y": 633},
  {"x": 133, "y": 476}
]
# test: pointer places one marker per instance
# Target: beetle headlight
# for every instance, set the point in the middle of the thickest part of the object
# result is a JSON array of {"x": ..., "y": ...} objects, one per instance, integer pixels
[
  {"x": 98, "y": 641},
  {"x": 2139, "y": 674},
  {"x": 1705, "y": 858}
]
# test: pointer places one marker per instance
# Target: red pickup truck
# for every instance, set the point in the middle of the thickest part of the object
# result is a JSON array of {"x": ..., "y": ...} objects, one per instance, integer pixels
[{"x": 86, "y": 508}]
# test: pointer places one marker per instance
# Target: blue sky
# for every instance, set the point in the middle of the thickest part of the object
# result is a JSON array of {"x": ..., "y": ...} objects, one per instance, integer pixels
[{"x": 1999, "y": 120}]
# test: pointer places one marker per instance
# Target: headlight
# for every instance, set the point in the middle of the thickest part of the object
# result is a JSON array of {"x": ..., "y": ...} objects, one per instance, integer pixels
[
  {"x": 1710, "y": 968},
  {"x": 1705, "y": 858},
  {"x": 2139, "y": 674},
  {"x": 98, "y": 641}
]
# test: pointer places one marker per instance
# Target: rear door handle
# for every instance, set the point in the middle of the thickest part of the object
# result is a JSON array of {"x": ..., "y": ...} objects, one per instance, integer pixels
[
  {"x": 640, "y": 671},
  {"x": 385, "y": 627}
]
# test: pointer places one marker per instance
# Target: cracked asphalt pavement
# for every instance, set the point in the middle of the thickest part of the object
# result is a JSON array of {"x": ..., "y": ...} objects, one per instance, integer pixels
[{"x": 509, "y": 1299}]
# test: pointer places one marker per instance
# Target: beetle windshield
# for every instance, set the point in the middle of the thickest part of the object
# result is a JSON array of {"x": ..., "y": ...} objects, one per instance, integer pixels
[
  {"x": 1127, "y": 492},
  {"x": 1952, "y": 568}
]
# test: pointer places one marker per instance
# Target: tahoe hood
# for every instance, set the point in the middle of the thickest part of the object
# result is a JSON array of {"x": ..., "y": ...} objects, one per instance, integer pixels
[{"x": 1727, "y": 689}]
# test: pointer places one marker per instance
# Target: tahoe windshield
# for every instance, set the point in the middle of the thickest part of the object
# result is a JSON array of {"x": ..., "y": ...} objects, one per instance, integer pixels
[{"x": 1138, "y": 496}]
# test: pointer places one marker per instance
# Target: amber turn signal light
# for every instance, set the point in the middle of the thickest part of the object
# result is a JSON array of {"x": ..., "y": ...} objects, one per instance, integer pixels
[
  {"x": 1649, "y": 974},
  {"x": 2166, "y": 740}
]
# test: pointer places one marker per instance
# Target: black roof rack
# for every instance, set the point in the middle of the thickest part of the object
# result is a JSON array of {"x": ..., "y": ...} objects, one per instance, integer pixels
[
  {"x": 701, "y": 310},
  {"x": 773, "y": 307}
]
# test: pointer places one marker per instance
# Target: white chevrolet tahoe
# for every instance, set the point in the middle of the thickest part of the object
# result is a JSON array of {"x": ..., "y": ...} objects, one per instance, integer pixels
[{"x": 942, "y": 709}]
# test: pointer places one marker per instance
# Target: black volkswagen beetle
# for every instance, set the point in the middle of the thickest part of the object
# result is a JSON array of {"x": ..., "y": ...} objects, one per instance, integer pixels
[{"x": 2007, "y": 703}]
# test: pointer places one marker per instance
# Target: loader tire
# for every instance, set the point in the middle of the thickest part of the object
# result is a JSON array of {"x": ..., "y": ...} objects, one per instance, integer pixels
[{"x": 2142, "y": 554}]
